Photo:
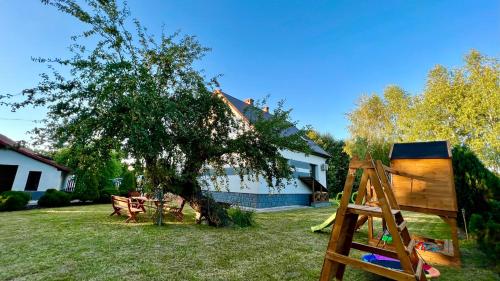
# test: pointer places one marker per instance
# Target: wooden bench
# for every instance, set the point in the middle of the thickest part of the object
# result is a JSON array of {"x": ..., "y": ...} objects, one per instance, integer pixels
[
  {"x": 122, "y": 203},
  {"x": 173, "y": 204}
]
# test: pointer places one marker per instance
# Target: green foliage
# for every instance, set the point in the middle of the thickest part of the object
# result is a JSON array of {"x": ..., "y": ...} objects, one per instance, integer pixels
[
  {"x": 54, "y": 198},
  {"x": 338, "y": 163},
  {"x": 377, "y": 150},
  {"x": 474, "y": 183},
  {"x": 486, "y": 227},
  {"x": 83, "y": 159},
  {"x": 105, "y": 195},
  {"x": 241, "y": 217},
  {"x": 128, "y": 91},
  {"x": 13, "y": 200},
  {"x": 86, "y": 187},
  {"x": 478, "y": 193},
  {"x": 110, "y": 168},
  {"x": 460, "y": 105},
  {"x": 128, "y": 183}
]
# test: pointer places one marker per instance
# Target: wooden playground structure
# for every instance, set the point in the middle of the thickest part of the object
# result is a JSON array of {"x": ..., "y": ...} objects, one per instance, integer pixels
[
  {"x": 430, "y": 190},
  {"x": 420, "y": 179}
]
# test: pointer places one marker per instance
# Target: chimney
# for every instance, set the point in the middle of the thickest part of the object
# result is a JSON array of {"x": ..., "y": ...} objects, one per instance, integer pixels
[
  {"x": 265, "y": 109},
  {"x": 249, "y": 101}
]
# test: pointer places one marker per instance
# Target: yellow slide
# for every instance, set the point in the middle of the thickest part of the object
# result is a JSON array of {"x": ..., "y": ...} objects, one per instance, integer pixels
[{"x": 325, "y": 224}]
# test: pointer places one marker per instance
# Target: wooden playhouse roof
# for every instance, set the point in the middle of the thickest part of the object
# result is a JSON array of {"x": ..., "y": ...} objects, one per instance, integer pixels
[{"x": 421, "y": 150}]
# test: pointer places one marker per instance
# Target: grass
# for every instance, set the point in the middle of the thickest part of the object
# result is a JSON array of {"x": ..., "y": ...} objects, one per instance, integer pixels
[{"x": 84, "y": 243}]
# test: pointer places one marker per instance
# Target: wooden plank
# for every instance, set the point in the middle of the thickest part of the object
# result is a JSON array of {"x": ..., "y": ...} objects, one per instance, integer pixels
[
  {"x": 380, "y": 270},
  {"x": 431, "y": 186},
  {"x": 360, "y": 164},
  {"x": 402, "y": 225},
  {"x": 386, "y": 185},
  {"x": 368, "y": 210},
  {"x": 328, "y": 269},
  {"x": 450, "y": 214},
  {"x": 419, "y": 270},
  {"x": 405, "y": 174},
  {"x": 411, "y": 246},
  {"x": 345, "y": 241},
  {"x": 362, "y": 188},
  {"x": 374, "y": 250},
  {"x": 391, "y": 223}
]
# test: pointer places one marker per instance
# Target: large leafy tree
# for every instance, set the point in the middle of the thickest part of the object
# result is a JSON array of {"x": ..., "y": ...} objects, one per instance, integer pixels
[
  {"x": 338, "y": 163},
  {"x": 131, "y": 92},
  {"x": 378, "y": 121},
  {"x": 460, "y": 105},
  {"x": 463, "y": 106}
]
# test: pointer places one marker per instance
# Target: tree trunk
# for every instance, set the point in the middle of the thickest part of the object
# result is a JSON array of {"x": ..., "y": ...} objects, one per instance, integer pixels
[{"x": 207, "y": 209}]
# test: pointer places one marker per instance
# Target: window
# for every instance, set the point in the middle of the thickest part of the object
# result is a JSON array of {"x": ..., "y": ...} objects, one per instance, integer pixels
[
  {"x": 33, "y": 180},
  {"x": 7, "y": 176}
]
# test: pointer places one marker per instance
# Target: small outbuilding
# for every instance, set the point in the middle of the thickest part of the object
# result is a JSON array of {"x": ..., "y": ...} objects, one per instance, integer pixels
[
  {"x": 431, "y": 190},
  {"x": 22, "y": 169}
]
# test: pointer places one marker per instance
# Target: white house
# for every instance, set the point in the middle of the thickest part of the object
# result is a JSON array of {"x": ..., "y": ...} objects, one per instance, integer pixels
[
  {"x": 309, "y": 172},
  {"x": 22, "y": 169}
]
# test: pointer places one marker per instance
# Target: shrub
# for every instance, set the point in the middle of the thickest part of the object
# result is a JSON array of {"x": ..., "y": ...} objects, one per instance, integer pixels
[
  {"x": 86, "y": 188},
  {"x": 486, "y": 227},
  {"x": 241, "y": 218},
  {"x": 128, "y": 183},
  {"x": 105, "y": 195},
  {"x": 13, "y": 200},
  {"x": 474, "y": 183},
  {"x": 54, "y": 198}
]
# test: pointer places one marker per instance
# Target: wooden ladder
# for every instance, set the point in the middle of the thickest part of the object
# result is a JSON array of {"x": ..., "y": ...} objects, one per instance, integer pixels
[{"x": 341, "y": 239}]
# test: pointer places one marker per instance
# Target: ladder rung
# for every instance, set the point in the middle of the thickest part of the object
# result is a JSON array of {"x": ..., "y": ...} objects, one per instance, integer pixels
[
  {"x": 367, "y": 210},
  {"x": 402, "y": 226},
  {"x": 411, "y": 246},
  {"x": 377, "y": 269}
]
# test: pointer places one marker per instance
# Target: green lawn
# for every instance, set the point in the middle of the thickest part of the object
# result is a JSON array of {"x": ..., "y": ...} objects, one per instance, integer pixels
[{"x": 84, "y": 243}]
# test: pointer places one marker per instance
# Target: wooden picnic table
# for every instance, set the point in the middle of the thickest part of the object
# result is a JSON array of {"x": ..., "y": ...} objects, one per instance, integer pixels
[{"x": 175, "y": 211}]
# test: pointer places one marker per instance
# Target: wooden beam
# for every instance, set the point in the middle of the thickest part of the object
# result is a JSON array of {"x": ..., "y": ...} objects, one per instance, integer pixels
[
  {"x": 380, "y": 270},
  {"x": 407, "y": 175},
  {"x": 386, "y": 185},
  {"x": 441, "y": 213},
  {"x": 374, "y": 250},
  {"x": 360, "y": 164},
  {"x": 388, "y": 215}
]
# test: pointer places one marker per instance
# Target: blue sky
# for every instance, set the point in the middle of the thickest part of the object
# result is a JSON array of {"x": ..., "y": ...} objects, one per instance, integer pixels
[{"x": 318, "y": 55}]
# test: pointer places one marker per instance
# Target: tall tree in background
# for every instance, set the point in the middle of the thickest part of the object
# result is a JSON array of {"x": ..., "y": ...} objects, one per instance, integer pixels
[
  {"x": 461, "y": 105},
  {"x": 142, "y": 96},
  {"x": 338, "y": 164},
  {"x": 378, "y": 122}
]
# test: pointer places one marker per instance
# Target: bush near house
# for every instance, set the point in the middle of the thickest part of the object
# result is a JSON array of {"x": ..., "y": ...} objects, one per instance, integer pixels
[
  {"x": 241, "y": 217},
  {"x": 54, "y": 198},
  {"x": 86, "y": 188},
  {"x": 14, "y": 200}
]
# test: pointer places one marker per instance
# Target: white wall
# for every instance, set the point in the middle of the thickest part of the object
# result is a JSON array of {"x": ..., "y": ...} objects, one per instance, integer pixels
[
  {"x": 298, "y": 187},
  {"x": 50, "y": 178},
  {"x": 295, "y": 187}
]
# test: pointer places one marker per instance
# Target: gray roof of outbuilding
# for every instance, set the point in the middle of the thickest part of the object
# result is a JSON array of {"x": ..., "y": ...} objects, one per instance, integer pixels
[
  {"x": 250, "y": 116},
  {"x": 421, "y": 150}
]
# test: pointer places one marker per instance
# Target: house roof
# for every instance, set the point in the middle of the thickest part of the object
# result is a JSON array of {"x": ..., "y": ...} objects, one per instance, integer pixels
[
  {"x": 5, "y": 142},
  {"x": 421, "y": 150},
  {"x": 249, "y": 115}
]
